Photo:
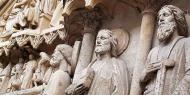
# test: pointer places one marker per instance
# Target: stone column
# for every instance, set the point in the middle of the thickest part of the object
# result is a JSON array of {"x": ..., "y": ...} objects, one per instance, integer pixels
[
  {"x": 87, "y": 48},
  {"x": 91, "y": 23},
  {"x": 146, "y": 34}
]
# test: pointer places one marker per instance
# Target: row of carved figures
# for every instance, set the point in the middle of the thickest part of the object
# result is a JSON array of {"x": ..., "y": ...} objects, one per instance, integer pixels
[
  {"x": 38, "y": 72},
  {"x": 166, "y": 72}
]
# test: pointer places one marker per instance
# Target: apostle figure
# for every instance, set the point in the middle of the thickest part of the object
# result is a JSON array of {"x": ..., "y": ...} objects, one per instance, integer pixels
[
  {"x": 107, "y": 75},
  {"x": 60, "y": 79},
  {"x": 167, "y": 71}
]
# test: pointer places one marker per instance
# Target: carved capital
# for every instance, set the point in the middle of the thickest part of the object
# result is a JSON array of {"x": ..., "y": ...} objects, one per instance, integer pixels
[{"x": 91, "y": 21}]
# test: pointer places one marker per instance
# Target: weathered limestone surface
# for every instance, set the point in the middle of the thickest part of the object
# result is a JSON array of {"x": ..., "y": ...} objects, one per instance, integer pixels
[{"x": 94, "y": 47}]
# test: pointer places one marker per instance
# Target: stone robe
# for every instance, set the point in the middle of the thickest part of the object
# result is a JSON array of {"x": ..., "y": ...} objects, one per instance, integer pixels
[
  {"x": 173, "y": 80},
  {"x": 111, "y": 78},
  {"x": 59, "y": 80},
  {"x": 48, "y": 6},
  {"x": 30, "y": 67}
]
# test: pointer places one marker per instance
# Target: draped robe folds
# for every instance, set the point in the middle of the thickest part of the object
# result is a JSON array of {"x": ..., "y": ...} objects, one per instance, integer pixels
[
  {"x": 176, "y": 79},
  {"x": 30, "y": 67},
  {"x": 59, "y": 80},
  {"x": 111, "y": 78}
]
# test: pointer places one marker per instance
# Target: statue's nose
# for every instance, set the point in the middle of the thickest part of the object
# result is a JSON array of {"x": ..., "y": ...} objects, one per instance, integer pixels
[
  {"x": 98, "y": 42},
  {"x": 160, "y": 21}
]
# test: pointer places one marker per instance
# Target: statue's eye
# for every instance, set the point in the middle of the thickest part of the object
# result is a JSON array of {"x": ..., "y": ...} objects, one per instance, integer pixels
[
  {"x": 103, "y": 38},
  {"x": 165, "y": 14}
]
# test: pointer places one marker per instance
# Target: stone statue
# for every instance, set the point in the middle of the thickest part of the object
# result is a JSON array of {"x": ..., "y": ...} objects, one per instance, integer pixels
[
  {"x": 3, "y": 21},
  {"x": 28, "y": 16},
  {"x": 7, "y": 75},
  {"x": 60, "y": 79},
  {"x": 107, "y": 75},
  {"x": 167, "y": 71},
  {"x": 29, "y": 69},
  {"x": 48, "y": 6},
  {"x": 16, "y": 79},
  {"x": 43, "y": 66}
]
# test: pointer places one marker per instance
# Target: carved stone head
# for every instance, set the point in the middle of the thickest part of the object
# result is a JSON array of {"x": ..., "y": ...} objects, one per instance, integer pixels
[
  {"x": 60, "y": 52},
  {"x": 56, "y": 58},
  {"x": 44, "y": 57},
  {"x": 106, "y": 42},
  {"x": 170, "y": 19}
]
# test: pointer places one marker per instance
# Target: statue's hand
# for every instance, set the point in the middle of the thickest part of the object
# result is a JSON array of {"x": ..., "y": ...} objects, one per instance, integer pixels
[
  {"x": 70, "y": 89},
  {"x": 148, "y": 71},
  {"x": 152, "y": 68},
  {"x": 168, "y": 63},
  {"x": 83, "y": 84}
]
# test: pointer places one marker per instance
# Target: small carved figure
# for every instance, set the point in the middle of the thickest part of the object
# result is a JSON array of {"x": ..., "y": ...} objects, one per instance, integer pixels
[
  {"x": 107, "y": 75},
  {"x": 168, "y": 65},
  {"x": 43, "y": 65},
  {"x": 48, "y": 6},
  {"x": 60, "y": 80},
  {"x": 16, "y": 79},
  {"x": 29, "y": 69},
  {"x": 27, "y": 16},
  {"x": 3, "y": 21},
  {"x": 7, "y": 75}
]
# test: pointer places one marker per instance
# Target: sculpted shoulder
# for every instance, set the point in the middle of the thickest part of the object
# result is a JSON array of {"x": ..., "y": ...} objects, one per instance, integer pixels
[
  {"x": 118, "y": 60},
  {"x": 187, "y": 42}
]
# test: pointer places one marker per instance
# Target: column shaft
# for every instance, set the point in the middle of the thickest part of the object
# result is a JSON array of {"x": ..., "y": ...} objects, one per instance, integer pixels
[{"x": 146, "y": 34}]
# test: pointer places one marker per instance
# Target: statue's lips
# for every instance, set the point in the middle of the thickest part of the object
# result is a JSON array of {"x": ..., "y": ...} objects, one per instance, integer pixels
[
  {"x": 98, "y": 45},
  {"x": 163, "y": 23}
]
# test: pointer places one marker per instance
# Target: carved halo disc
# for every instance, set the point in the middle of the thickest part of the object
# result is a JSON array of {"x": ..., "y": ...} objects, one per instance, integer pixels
[{"x": 122, "y": 37}]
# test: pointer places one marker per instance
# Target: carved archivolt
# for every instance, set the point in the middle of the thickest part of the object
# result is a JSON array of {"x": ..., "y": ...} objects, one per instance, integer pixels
[
  {"x": 72, "y": 5},
  {"x": 92, "y": 3},
  {"x": 35, "y": 38}
]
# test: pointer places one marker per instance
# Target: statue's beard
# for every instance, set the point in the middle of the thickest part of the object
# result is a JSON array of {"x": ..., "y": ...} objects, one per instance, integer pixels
[
  {"x": 102, "y": 49},
  {"x": 165, "y": 31}
]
